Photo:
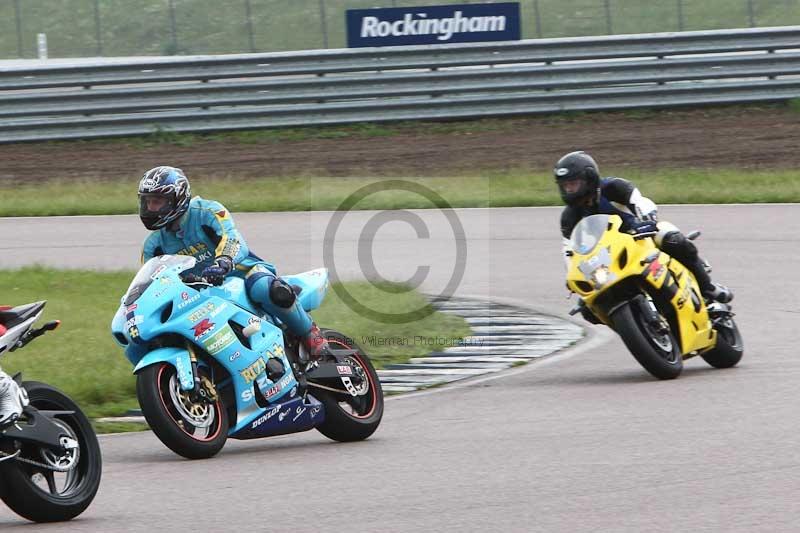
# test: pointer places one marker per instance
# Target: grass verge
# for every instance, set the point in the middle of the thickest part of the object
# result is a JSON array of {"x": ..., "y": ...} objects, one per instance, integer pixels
[
  {"x": 82, "y": 359},
  {"x": 517, "y": 188}
]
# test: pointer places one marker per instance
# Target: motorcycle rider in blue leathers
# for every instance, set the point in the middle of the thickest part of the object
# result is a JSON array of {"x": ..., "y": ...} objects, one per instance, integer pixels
[
  {"x": 585, "y": 193},
  {"x": 204, "y": 229}
]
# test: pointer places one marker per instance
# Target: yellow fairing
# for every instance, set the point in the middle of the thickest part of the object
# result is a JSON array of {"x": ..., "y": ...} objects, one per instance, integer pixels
[{"x": 618, "y": 257}]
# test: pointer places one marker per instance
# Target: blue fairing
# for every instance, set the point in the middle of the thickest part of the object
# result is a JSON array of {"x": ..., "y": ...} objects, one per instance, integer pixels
[
  {"x": 222, "y": 324},
  {"x": 313, "y": 285},
  {"x": 177, "y": 357}
]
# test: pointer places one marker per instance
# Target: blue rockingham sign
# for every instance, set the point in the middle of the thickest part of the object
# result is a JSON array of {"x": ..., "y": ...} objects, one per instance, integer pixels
[{"x": 457, "y": 23}]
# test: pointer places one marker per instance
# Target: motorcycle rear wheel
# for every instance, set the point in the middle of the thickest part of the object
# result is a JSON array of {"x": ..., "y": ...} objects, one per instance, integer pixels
[
  {"x": 657, "y": 353},
  {"x": 44, "y": 495},
  {"x": 349, "y": 418}
]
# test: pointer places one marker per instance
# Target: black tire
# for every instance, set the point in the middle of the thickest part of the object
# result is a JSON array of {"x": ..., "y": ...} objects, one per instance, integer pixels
[
  {"x": 661, "y": 362},
  {"x": 349, "y": 418},
  {"x": 21, "y": 483},
  {"x": 169, "y": 419},
  {"x": 729, "y": 349}
]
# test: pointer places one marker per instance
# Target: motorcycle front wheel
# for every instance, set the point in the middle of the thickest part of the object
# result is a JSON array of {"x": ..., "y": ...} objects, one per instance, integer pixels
[
  {"x": 730, "y": 347},
  {"x": 57, "y": 487},
  {"x": 657, "y": 351},
  {"x": 192, "y": 429}
]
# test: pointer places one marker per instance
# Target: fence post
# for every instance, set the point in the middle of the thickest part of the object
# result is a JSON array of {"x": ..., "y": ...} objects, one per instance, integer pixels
[
  {"x": 249, "y": 14},
  {"x": 680, "y": 14},
  {"x": 751, "y": 15},
  {"x": 537, "y": 18},
  {"x": 607, "y": 5},
  {"x": 98, "y": 36},
  {"x": 323, "y": 23},
  {"x": 18, "y": 18},
  {"x": 173, "y": 27}
]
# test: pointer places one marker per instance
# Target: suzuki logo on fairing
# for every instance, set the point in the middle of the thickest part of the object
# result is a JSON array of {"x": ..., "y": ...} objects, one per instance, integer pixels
[
  {"x": 283, "y": 415},
  {"x": 202, "y": 328}
]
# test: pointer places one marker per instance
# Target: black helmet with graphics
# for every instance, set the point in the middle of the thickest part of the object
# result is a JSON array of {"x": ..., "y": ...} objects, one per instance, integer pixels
[
  {"x": 577, "y": 177},
  {"x": 164, "y": 196}
]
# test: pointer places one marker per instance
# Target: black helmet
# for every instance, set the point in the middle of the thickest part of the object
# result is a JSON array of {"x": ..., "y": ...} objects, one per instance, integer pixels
[
  {"x": 168, "y": 183},
  {"x": 577, "y": 168}
]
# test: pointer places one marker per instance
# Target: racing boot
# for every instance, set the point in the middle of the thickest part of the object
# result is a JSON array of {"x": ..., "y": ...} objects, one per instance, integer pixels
[
  {"x": 12, "y": 399},
  {"x": 315, "y": 344},
  {"x": 718, "y": 293}
]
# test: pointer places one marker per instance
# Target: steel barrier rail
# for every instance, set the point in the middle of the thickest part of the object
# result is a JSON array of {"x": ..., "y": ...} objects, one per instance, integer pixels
[
  {"x": 421, "y": 82},
  {"x": 394, "y": 85}
]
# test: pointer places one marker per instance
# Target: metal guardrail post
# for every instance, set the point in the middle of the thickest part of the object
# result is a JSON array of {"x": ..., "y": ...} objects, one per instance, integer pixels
[
  {"x": 323, "y": 23},
  {"x": 537, "y": 18},
  {"x": 249, "y": 21},
  {"x": 751, "y": 15},
  {"x": 680, "y": 14},
  {"x": 18, "y": 19},
  {"x": 607, "y": 6},
  {"x": 98, "y": 35},
  {"x": 173, "y": 27}
]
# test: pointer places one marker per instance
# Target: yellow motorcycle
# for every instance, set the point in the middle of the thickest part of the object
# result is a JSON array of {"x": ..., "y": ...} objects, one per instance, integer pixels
[{"x": 651, "y": 300}]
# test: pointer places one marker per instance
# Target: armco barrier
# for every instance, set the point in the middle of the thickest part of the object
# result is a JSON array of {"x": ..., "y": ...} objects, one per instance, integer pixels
[{"x": 217, "y": 93}]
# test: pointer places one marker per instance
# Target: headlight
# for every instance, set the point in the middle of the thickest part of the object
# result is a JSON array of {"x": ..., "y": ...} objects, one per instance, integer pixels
[{"x": 600, "y": 276}]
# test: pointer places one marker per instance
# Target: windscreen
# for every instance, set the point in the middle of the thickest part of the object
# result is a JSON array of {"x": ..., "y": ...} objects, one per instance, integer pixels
[
  {"x": 588, "y": 233},
  {"x": 151, "y": 270}
]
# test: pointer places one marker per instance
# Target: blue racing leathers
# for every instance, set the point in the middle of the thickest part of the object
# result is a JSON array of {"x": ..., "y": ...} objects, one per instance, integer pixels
[{"x": 207, "y": 231}]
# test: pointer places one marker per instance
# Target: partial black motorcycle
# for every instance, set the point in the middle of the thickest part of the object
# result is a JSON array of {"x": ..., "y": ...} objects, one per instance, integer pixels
[{"x": 50, "y": 463}]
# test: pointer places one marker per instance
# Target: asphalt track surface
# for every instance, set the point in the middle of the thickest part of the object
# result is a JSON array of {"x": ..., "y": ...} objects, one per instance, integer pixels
[{"x": 584, "y": 440}]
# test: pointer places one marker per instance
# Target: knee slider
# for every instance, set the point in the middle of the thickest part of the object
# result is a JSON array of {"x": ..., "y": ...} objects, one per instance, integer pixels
[{"x": 282, "y": 294}]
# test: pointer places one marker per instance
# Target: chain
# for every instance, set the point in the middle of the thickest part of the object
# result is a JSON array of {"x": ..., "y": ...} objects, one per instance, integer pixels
[
  {"x": 8, "y": 456},
  {"x": 340, "y": 391}
]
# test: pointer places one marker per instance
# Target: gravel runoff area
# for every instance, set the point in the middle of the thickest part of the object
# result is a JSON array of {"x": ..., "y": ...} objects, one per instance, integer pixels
[{"x": 735, "y": 137}]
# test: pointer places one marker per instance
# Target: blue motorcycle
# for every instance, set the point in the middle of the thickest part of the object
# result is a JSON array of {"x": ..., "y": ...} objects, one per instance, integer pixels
[{"x": 210, "y": 365}]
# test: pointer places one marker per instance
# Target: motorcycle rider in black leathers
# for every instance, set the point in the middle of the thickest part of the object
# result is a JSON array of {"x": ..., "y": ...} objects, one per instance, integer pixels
[{"x": 585, "y": 193}]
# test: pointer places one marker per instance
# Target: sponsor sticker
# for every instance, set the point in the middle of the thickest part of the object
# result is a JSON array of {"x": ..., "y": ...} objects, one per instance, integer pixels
[
  {"x": 184, "y": 373},
  {"x": 266, "y": 416},
  {"x": 200, "y": 313},
  {"x": 220, "y": 340},
  {"x": 188, "y": 301},
  {"x": 277, "y": 387},
  {"x": 250, "y": 373},
  {"x": 135, "y": 320}
]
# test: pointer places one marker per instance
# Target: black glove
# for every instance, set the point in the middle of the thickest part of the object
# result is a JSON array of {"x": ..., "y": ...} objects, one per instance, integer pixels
[
  {"x": 643, "y": 227},
  {"x": 215, "y": 273}
]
